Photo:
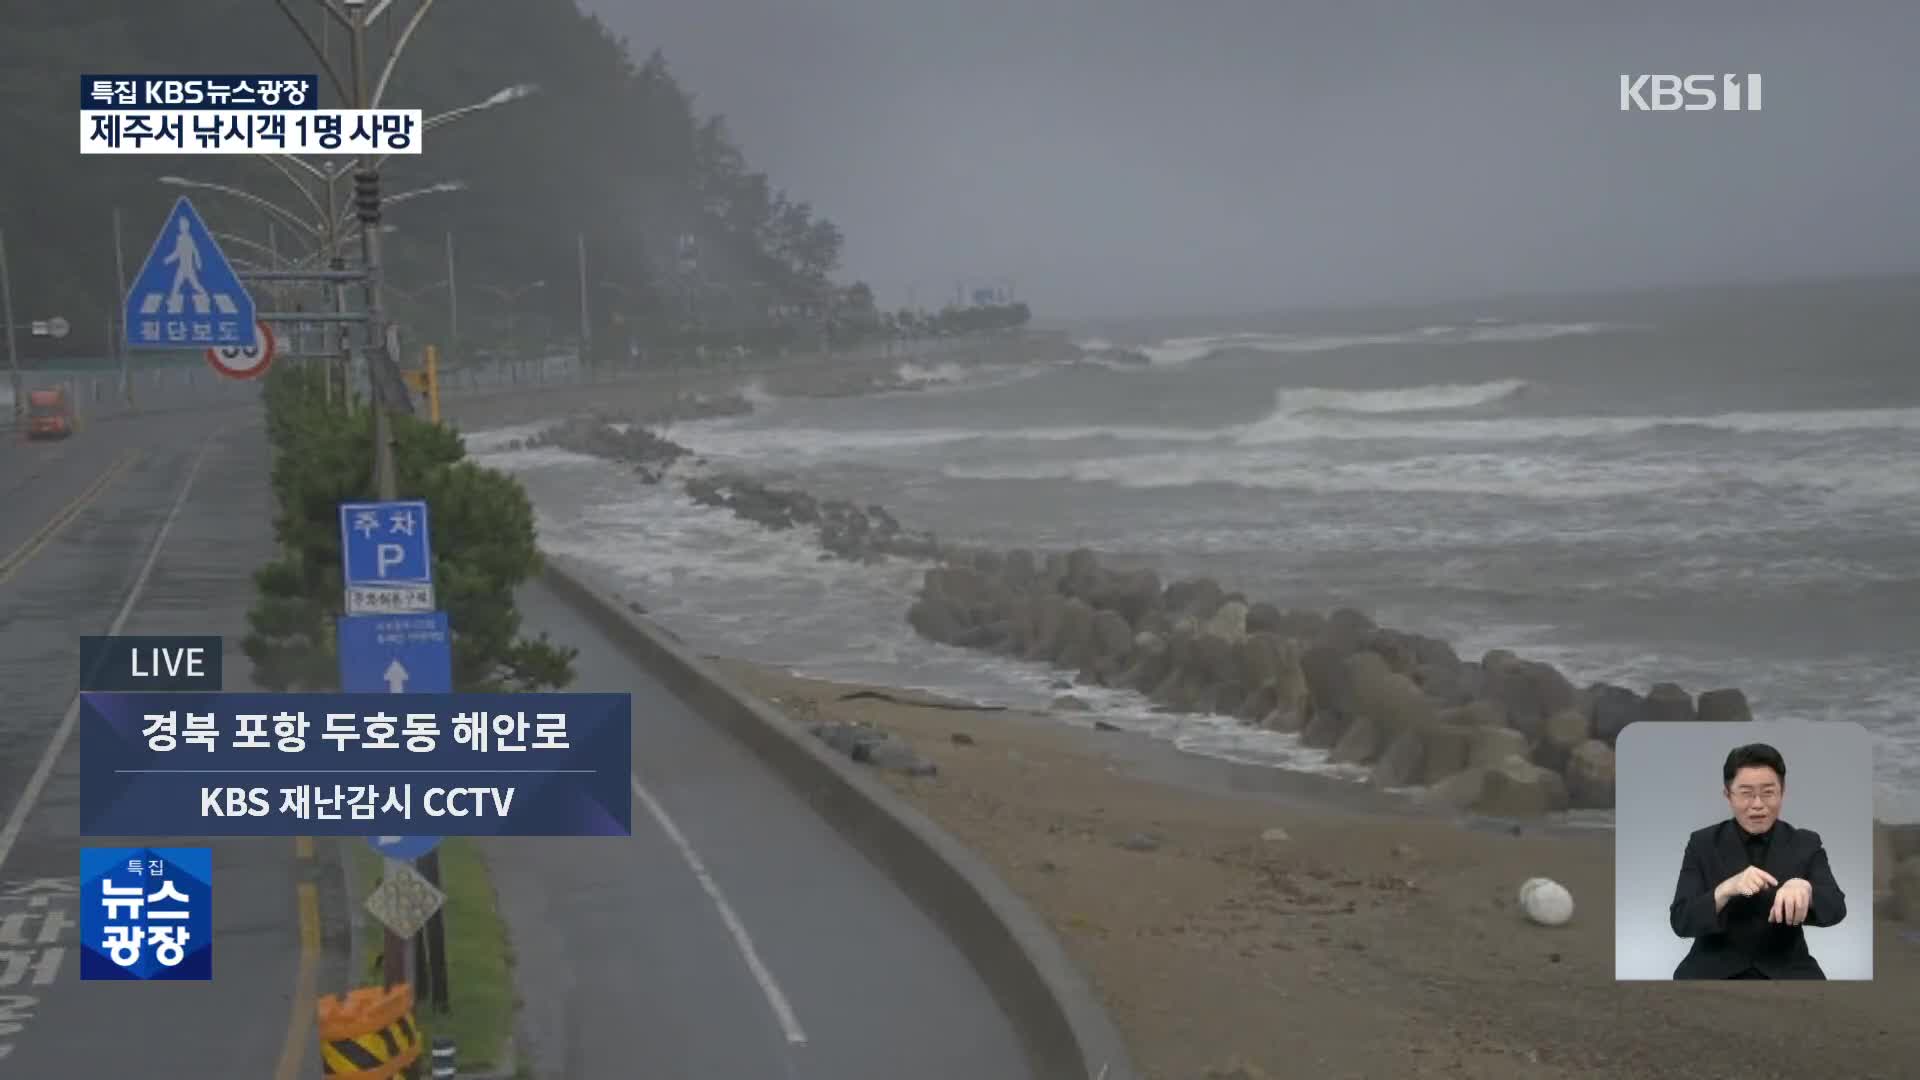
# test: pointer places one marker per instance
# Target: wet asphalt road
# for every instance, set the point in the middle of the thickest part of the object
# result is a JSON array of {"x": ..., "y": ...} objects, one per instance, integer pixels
[
  {"x": 643, "y": 972},
  {"x": 79, "y": 539}
]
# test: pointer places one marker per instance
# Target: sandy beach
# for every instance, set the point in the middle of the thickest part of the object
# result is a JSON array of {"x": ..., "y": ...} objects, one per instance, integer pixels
[{"x": 1287, "y": 926}]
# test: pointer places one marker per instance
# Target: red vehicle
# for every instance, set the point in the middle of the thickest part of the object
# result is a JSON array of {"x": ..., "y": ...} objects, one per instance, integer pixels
[{"x": 49, "y": 414}]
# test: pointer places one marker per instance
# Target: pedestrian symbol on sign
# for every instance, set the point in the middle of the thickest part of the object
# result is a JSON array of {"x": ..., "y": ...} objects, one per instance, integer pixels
[
  {"x": 187, "y": 295},
  {"x": 186, "y": 271}
]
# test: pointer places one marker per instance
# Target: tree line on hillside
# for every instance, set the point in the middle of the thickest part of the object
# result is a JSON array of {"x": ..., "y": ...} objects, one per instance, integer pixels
[{"x": 684, "y": 240}]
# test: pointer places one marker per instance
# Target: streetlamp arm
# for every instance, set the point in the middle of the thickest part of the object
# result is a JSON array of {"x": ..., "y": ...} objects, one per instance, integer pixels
[
  {"x": 279, "y": 162},
  {"x": 307, "y": 227},
  {"x": 232, "y": 238},
  {"x": 313, "y": 46},
  {"x": 311, "y": 169},
  {"x": 399, "y": 46}
]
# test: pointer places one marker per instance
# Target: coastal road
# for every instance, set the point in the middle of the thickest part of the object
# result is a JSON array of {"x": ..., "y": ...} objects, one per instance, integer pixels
[
  {"x": 735, "y": 933},
  {"x": 139, "y": 525}
]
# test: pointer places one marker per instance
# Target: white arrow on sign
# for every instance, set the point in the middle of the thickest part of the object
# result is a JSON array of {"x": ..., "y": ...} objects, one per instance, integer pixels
[{"x": 396, "y": 676}]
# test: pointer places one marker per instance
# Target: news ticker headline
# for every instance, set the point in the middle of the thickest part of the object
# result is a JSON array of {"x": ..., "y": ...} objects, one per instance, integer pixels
[
  {"x": 229, "y": 131},
  {"x": 219, "y": 764},
  {"x": 252, "y": 92}
]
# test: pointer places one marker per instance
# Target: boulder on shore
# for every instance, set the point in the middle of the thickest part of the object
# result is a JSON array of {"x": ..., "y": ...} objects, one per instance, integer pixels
[
  {"x": 1501, "y": 735},
  {"x": 1511, "y": 788},
  {"x": 1724, "y": 706},
  {"x": 1590, "y": 776}
]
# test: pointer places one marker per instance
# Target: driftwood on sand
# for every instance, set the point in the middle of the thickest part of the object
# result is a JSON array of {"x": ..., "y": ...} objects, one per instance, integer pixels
[{"x": 923, "y": 703}]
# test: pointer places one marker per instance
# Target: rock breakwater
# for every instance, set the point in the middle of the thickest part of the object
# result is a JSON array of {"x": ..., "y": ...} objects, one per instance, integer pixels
[
  {"x": 843, "y": 528},
  {"x": 1500, "y": 735}
]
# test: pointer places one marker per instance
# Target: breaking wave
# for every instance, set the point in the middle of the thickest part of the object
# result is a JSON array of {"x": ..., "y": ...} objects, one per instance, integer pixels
[
  {"x": 1181, "y": 351},
  {"x": 945, "y": 373},
  {"x": 1408, "y": 399},
  {"x": 1548, "y": 477}
]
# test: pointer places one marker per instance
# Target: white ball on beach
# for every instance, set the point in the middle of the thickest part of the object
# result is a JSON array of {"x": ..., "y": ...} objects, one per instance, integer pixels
[{"x": 1546, "y": 901}]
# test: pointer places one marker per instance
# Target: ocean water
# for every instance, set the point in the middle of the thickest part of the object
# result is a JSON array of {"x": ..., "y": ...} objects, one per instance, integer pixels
[{"x": 1718, "y": 488}]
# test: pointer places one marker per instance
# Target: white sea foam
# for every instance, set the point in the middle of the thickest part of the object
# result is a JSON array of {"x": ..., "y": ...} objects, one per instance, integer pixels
[
  {"x": 1400, "y": 400},
  {"x": 1299, "y": 415},
  {"x": 1181, "y": 351},
  {"x": 496, "y": 439},
  {"x": 756, "y": 394},
  {"x": 1555, "y": 477},
  {"x": 919, "y": 373},
  {"x": 1288, "y": 423}
]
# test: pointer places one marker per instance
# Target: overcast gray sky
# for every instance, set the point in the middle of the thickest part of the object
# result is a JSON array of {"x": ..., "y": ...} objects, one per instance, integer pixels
[{"x": 1140, "y": 156}]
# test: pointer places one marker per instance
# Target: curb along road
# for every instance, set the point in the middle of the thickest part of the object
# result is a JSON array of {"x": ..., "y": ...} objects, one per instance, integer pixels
[{"x": 1063, "y": 1027}]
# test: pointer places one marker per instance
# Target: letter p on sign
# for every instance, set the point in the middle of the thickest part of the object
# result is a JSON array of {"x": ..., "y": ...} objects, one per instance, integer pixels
[{"x": 387, "y": 556}]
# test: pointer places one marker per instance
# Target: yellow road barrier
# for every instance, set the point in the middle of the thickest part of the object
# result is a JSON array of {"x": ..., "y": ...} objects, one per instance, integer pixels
[{"x": 369, "y": 1034}]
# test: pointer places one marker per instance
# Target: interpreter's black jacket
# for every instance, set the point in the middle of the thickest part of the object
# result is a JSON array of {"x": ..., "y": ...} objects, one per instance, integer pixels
[{"x": 1738, "y": 937}]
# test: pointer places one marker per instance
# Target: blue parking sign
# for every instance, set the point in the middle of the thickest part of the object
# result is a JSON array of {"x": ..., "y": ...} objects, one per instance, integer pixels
[
  {"x": 386, "y": 557},
  {"x": 146, "y": 913}
]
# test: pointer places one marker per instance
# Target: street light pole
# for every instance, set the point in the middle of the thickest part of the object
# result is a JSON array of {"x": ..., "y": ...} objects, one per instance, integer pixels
[
  {"x": 366, "y": 187},
  {"x": 6, "y": 314},
  {"x": 453, "y": 304},
  {"x": 586, "y": 332},
  {"x": 120, "y": 341}
]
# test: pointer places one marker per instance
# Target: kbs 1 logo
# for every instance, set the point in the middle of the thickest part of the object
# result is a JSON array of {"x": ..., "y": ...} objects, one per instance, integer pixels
[{"x": 1689, "y": 93}]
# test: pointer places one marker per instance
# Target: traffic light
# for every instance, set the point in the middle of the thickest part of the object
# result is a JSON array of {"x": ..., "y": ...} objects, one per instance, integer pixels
[{"x": 366, "y": 197}]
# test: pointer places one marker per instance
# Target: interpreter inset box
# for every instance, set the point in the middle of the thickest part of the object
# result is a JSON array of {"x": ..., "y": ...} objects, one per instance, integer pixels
[{"x": 1743, "y": 851}]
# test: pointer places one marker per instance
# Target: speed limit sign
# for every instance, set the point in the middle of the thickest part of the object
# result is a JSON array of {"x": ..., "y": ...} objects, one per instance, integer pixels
[{"x": 244, "y": 361}]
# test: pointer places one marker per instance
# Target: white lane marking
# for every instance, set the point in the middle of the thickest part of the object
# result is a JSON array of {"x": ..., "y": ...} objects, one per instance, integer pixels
[
  {"x": 17, "y": 820},
  {"x": 741, "y": 940}
]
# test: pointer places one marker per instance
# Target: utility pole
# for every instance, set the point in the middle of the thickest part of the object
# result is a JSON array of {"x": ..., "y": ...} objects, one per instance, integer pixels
[
  {"x": 586, "y": 325},
  {"x": 120, "y": 340},
  {"x": 366, "y": 197},
  {"x": 381, "y": 375},
  {"x": 13, "y": 349},
  {"x": 337, "y": 264}
]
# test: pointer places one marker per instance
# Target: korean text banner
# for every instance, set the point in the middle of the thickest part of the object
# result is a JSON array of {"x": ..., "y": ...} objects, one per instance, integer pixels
[
  {"x": 199, "y": 91},
  {"x": 183, "y": 764}
]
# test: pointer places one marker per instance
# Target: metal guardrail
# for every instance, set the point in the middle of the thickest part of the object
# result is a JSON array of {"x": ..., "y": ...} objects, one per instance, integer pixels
[{"x": 97, "y": 395}]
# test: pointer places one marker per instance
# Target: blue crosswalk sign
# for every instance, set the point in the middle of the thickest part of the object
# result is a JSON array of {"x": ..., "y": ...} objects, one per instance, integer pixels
[{"x": 187, "y": 296}]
